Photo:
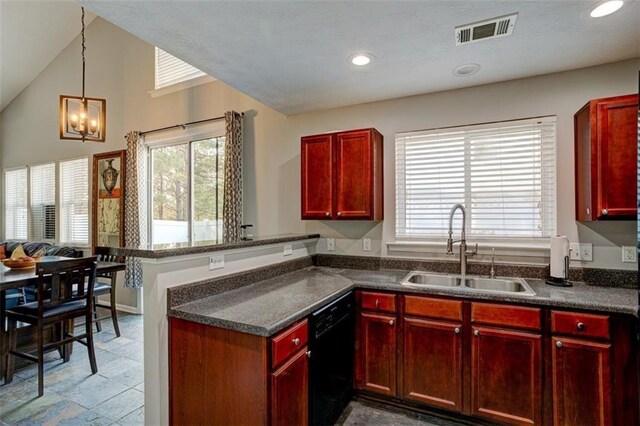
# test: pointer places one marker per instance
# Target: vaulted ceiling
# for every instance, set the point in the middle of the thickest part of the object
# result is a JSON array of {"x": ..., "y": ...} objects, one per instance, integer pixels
[{"x": 32, "y": 34}]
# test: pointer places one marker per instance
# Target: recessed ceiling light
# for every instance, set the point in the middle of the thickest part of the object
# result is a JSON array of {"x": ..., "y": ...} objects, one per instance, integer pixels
[
  {"x": 606, "y": 8},
  {"x": 360, "y": 59},
  {"x": 466, "y": 70}
]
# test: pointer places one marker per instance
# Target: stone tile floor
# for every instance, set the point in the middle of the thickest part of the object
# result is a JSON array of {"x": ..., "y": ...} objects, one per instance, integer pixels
[
  {"x": 370, "y": 414},
  {"x": 72, "y": 395}
]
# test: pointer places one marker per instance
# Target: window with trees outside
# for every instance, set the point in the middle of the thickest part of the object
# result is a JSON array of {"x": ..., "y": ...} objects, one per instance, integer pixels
[{"x": 187, "y": 184}]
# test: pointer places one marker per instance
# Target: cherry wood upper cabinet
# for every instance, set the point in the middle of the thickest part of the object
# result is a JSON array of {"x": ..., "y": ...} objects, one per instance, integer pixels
[
  {"x": 581, "y": 382},
  {"x": 342, "y": 176},
  {"x": 605, "y": 158},
  {"x": 317, "y": 176}
]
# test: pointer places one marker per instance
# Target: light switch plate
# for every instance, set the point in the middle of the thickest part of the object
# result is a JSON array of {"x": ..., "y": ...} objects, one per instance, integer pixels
[
  {"x": 288, "y": 250},
  {"x": 629, "y": 254},
  {"x": 216, "y": 262},
  {"x": 366, "y": 244},
  {"x": 331, "y": 244},
  {"x": 582, "y": 252}
]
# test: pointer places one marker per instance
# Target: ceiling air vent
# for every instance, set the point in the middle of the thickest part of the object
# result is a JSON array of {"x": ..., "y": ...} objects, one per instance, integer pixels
[{"x": 491, "y": 28}]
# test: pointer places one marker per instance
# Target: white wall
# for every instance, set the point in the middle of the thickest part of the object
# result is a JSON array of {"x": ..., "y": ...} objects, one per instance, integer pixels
[{"x": 120, "y": 69}]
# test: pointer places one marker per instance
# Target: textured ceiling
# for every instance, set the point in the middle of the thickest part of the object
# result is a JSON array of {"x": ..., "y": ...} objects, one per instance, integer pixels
[
  {"x": 291, "y": 55},
  {"x": 32, "y": 34}
]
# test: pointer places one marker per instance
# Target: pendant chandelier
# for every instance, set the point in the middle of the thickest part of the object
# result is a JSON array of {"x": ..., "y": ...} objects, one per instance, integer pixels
[{"x": 81, "y": 118}]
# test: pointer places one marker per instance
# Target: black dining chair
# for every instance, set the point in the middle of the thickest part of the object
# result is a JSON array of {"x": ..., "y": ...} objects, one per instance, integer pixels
[
  {"x": 106, "y": 285},
  {"x": 60, "y": 301}
]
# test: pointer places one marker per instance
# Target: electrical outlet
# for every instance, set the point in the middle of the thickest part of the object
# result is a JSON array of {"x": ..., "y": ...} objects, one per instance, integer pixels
[
  {"x": 216, "y": 262},
  {"x": 629, "y": 254},
  {"x": 366, "y": 244},
  {"x": 582, "y": 252},
  {"x": 331, "y": 244},
  {"x": 288, "y": 250}
]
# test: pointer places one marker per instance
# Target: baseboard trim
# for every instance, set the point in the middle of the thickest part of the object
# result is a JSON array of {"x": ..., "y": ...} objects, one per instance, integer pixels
[{"x": 123, "y": 308}]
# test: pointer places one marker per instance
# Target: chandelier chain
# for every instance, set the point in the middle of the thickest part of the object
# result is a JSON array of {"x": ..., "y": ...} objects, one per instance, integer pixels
[{"x": 83, "y": 49}]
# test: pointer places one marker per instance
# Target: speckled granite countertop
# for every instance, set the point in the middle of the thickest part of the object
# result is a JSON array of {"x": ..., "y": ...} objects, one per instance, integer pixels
[{"x": 266, "y": 307}]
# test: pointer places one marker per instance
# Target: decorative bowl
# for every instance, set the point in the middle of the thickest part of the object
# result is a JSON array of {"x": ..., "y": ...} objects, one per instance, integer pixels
[{"x": 19, "y": 263}]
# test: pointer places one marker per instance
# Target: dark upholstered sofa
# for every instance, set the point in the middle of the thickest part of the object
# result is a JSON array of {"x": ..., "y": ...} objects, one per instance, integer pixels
[{"x": 13, "y": 296}]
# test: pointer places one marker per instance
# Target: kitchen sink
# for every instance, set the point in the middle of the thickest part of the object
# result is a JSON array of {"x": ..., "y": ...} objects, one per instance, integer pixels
[
  {"x": 420, "y": 278},
  {"x": 494, "y": 285}
]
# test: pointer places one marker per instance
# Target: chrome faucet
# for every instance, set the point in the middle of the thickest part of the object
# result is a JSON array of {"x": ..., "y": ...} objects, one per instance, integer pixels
[{"x": 463, "y": 239}]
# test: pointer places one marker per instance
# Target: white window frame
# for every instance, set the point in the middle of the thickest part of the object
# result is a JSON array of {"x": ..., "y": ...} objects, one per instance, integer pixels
[
  {"x": 4, "y": 213},
  {"x": 172, "y": 137},
  {"x": 31, "y": 214},
  {"x": 179, "y": 84},
  {"x": 59, "y": 204},
  {"x": 526, "y": 246}
]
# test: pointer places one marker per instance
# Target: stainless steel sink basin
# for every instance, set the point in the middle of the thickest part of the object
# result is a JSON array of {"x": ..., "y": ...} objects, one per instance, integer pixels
[
  {"x": 502, "y": 285},
  {"x": 514, "y": 286},
  {"x": 421, "y": 278}
]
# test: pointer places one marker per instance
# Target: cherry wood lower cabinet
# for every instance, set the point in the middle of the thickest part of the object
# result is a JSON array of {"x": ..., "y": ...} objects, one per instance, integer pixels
[
  {"x": 581, "y": 382},
  {"x": 432, "y": 364},
  {"x": 506, "y": 375},
  {"x": 376, "y": 353},
  {"x": 220, "y": 376},
  {"x": 289, "y": 392}
]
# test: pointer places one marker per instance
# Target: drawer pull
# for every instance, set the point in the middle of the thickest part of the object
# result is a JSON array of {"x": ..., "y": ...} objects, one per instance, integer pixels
[
  {"x": 476, "y": 332},
  {"x": 559, "y": 344},
  {"x": 327, "y": 214},
  {"x": 390, "y": 322},
  {"x": 308, "y": 354},
  {"x": 605, "y": 212},
  {"x": 580, "y": 326},
  {"x": 456, "y": 330},
  {"x": 296, "y": 341},
  {"x": 377, "y": 303},
  {"x": 339, "y": 213}
]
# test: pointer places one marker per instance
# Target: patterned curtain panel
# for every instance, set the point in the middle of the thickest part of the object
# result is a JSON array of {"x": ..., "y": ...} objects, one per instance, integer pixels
[
  {"x": 232, "y": 200},
  {"x": 135, "y": 206}
]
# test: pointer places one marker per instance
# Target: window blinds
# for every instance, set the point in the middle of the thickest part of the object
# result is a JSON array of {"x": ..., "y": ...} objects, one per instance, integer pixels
[
  {"x": 43, "y": 200},
  {"x": 74, "y": 201},
  {"x": 171, "y": 70},
  {"x": 15, "y": 193},
  {"x": 504, "y": 173}
]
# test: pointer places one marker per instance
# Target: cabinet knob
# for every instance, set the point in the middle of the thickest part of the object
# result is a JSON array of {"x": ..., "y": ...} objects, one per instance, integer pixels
[
  {"x": 390, "y": 322},
  {"x": 308, "y": 354},
  {"x": 605, "y": 212},
  {"x": 456, "y": 330},
  {"x": 327, "y": 214},
  {"x": 339, "y": 213},
  {"x": 476, "y": 332},
  {"x": 559, "y": 344},
  {"x": 377, "y": 303},
  {"x": 588, "y": 211},
  {"x": 296, "y": 341},
  {"x": 580, "y": 326}
]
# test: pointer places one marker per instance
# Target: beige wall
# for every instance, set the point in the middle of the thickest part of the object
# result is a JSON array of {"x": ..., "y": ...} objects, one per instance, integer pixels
[{"x": 120, "y": 69}]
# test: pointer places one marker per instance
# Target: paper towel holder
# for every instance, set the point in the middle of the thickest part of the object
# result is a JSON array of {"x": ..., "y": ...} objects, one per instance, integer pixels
[{"x": 561, "y": 281}]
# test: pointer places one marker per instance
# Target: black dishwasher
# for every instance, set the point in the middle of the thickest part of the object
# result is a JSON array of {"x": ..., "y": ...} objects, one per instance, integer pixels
[{"x": 331, "y": 361}]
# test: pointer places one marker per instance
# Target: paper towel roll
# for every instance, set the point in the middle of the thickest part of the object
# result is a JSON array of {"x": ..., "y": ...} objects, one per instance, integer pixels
[{"x": 559, "y": 252}]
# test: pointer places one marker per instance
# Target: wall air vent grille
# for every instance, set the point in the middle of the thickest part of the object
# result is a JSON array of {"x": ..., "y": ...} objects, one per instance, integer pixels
[{"x": 484, "y": 30}]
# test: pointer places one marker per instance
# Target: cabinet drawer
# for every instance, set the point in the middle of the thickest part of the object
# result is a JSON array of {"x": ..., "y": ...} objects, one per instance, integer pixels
[
  {"x": 578, "y": 324},
  {"x": 505, "y": 315},
  {"x": 433, "y": 308},
  {"x": 382, "y": 302},
  {"x": 288, "y": 341}
]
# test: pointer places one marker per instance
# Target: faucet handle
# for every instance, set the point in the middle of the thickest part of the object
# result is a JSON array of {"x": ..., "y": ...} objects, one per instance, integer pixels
[{"x": 474, "y": 252}]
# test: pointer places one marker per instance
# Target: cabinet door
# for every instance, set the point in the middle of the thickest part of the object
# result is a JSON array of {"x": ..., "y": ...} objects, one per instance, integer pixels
[
  {"x": 290, "y": 392},
  {"x": 376, "y": 353},
  {"x": 617, "y": 155},
  {"x": 432, "y": 366},
  {"x": 317, "y": 176},
  {"x": 581, "y": 382},
  {"x": 354, "y": 175},
  {"x": 506, "y": 375}
]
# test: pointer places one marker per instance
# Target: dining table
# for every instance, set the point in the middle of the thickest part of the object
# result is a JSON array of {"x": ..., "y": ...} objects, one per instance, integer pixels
[{"x": 17, "y": 278}]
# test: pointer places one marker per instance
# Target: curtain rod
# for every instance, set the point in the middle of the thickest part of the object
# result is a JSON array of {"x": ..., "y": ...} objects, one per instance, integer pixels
[{"x": 177, "y": 126}]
